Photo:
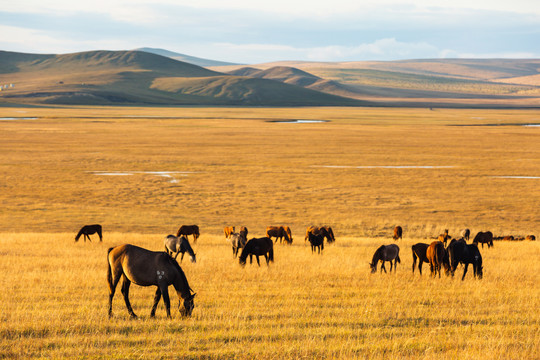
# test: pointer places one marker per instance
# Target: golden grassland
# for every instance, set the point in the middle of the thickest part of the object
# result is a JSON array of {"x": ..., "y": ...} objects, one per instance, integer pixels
[
  {"x": 54, "y": 304},
  {"x": 231, "y": 166}
]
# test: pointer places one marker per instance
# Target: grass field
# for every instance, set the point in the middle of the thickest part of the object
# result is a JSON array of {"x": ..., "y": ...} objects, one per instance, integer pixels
[{"x": 363, "y": 172}]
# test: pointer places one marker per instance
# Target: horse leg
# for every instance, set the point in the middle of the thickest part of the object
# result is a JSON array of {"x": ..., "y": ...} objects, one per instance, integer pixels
[
  {"x": 465, "y": 271},
  {"x": 414, "y": 261},
  {"x": 157, "y": 297},
  {"x": 125, "y": 291},
  {"x": 383, "y": 268},
  {"x": 257, "y": 256},
  {"x": 181, "y": 257},
  {"x": 113, "y": 282},
  {"x": 420, "y": 266},
  {"x": 166, "y": 300},
  {"x": 267, "y": 260}
]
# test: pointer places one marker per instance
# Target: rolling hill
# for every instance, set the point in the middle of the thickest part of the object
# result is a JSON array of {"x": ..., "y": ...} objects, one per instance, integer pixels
[
  {"x": 186, "y": 58},
  {"x": 136, "y": 77}
]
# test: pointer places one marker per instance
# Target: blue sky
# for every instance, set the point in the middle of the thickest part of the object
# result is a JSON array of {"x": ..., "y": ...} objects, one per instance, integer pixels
[{"x": 262, "y": 31}]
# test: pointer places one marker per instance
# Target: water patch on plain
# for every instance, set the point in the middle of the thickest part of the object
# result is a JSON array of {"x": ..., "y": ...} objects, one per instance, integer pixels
[
  {"x": 385, "y": 166},
  {"x": 17, "y": 118},
  {"x": 299, "y": 121},
  {"x": 171, "y": 175},
  {"x": 515, "y": 177}
]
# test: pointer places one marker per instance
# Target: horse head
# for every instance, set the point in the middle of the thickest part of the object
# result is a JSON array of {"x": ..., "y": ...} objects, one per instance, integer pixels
[
  {"x": 188, "y": 306},
  {"x": 373, "y": 267}
]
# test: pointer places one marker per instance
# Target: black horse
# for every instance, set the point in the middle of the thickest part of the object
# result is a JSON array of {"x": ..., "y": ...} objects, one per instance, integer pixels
[
  {"x": 460, "y": 252},
  {"x": 88, "y": 230},
  {"x": 316, "y": 241},
  {"x": 258, "y": 246}
]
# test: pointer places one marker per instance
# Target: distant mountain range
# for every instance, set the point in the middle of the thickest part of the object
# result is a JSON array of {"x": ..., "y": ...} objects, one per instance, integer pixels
[{"x": 158, "y": 77}]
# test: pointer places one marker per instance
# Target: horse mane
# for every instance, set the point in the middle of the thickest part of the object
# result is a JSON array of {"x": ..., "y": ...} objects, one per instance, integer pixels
[
  {"x": 183, "y": 277},
  {"x": 377, "y": 254}
]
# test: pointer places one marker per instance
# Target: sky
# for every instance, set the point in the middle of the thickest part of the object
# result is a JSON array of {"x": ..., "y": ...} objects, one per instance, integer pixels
[{"x": 258, "y": 31}]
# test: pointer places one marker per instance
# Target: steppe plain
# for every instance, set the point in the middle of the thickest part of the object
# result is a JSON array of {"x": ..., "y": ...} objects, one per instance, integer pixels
[{"x": 142, "y": 172}]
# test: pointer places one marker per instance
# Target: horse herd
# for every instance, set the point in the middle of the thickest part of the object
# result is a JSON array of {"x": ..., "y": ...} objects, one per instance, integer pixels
[{"x": 145, "y": 268}]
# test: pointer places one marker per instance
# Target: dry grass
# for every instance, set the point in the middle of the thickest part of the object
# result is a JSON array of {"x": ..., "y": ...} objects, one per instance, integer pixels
[{"x": 246, "y": 171}]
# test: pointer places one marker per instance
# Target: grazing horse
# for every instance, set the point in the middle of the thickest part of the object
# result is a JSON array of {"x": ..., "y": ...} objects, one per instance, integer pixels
[
  {"x": 238, "y": 241},
  {"x": 466, "y": 234},
  {"x": 461, "y": 252},
  {"x": 258, "y": 246},
  {"x": 174, "y": 244},
  {"x": 385, "y": 253},
  {"x": 484, "y": 238},
  {"x": 419, "y": 252},
  {"x": 189, "y": 230},
  {"x": 398, "y": 233},
  {"x": 531, "y": 238},
  {"x": 325, "y": 231},
  {"x": 316, "y": 241},
  {"x": 228, "y": 230},
  {"x": 88, "y": 230},
  {"x": 437, "y": 257},
  {"x": 279, "y": 233},
  {"x": 444, "y": 237},
  {"x": 145, "y": 268}
]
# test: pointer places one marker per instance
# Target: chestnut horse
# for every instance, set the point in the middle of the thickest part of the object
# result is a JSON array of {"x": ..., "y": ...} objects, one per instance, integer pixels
[
  {"x": 484, "y": 238},
  {"x": 88, "y": 230},
  {"x": 279, "y": 232},
  {"x": 385, "y": 253},
  {"x": 325, "y": 231},
  {"x": 419, "y": 252},
  {"x": 398, "y": 233},
  {"x": 146, "y": 268},
  {"x": 437, "y": 257},
  {"x": 258, "y": 246},
  {"x": 228, "y": 230},
  {"x": 189, "y": 230}
]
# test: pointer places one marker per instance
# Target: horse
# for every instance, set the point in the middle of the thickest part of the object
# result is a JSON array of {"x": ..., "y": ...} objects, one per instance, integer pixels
[
  {"x": 461, "y": 252},
  {"x": 325, "y": 231},
  {"x": 437, "y": 257},
  {"x": 465, "y": 233},
  {"x": 88, "y": 230},
  {"x": 444, "y": 237},
  {"x": 238, "y": 241},
  {"x": 316, "y": 241},
  {"x": 228, "y": 230},
  {"x": 484, "y": 238},
  {"x": 179, "y": 245},
  {"x": 258, "y": 246},
  {"x": 419, "y": 252},
  {"x": 398, "y": 233},
  {"x": 530, "y": 238},
  {"x": 189, "y": 230},
  {"x": 244, "y": 232},
  {"x": 385, "y": 253},
  {"x": 279, "y": 233},
  {"x": 146, "y": 268}
]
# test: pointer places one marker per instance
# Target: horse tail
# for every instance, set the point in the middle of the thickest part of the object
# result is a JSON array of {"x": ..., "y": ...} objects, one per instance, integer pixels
[
  {"x": 109, "y": 270},
  {"x": 398, "y": 259},
  {"x": 271, "y": 254},
  {"x": 414, "y": 257}
]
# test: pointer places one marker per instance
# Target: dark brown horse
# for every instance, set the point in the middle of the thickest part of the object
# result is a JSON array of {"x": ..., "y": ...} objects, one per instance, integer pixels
[
  {"x": 146, "y": 268},
  {"x": 279, "y": 232},
  {"x": 258, "y": 247},
  {"x": 88, "y": 230},
  {"x": 530, "y": 238},
  {"x": 317, "y": 242},
  {"x": 385, "y": 253},
  {"x": 325, "y": 231},
  {"x": 398, "y": 233},
  {"x": 437, "y": 257},
  {"x": 465, "y": 234},
  {"x": 243, "y": 231},
  {"x": 174, "y": 244},
  {"x": 189, "y": 230},
  {"x": 460, "y": 252},
  {"x": 419, "y": 253},
  {"x": 484, "y": 238},
  {"x": 228, "y": 230}
]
